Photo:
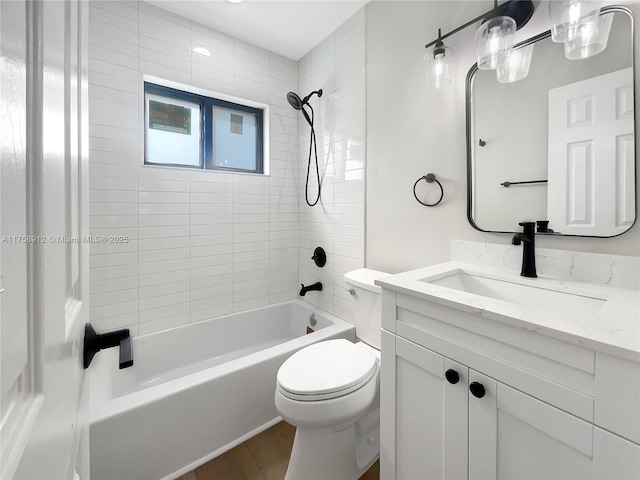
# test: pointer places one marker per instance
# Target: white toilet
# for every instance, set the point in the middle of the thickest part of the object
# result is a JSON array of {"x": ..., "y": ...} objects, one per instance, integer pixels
[{"x": 330, "y": 392}]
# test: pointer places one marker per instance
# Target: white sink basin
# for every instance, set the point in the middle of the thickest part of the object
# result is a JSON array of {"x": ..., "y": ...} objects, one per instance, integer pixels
[{"x": 542, "y": 295}]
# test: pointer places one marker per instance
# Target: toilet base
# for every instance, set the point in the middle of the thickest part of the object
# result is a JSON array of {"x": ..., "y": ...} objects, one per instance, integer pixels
[
  {"x": 320, "y": 453},
  {"x": 324, "y": 453}
]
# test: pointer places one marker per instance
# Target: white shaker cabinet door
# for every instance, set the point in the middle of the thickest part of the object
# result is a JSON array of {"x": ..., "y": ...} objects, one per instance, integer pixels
[
  {"x": 513, "y": 435},
  {"x": 614, "y": 457},
  {"x": 431, "y": 414}
]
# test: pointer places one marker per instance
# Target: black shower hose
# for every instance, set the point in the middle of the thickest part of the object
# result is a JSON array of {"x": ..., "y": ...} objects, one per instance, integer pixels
[{"x": 312, "y": 148}]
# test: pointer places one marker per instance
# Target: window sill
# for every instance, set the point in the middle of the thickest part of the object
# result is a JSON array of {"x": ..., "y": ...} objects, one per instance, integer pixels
[{"x": 203, "y": 170}]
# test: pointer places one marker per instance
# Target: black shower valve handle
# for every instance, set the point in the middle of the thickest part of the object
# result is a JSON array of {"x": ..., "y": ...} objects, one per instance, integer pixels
[{"x": 319, "y": 257}]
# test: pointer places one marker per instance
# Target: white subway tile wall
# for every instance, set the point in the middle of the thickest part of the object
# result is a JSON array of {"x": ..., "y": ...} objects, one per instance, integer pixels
[
  {"x": 336, "y": 223},
  {"x": 205, "y": 244},
  {"x": 202, "y": 244}
]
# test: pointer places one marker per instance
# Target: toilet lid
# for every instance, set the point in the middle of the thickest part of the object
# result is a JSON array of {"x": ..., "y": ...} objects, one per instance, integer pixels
[{"x": 326, "y": 369}]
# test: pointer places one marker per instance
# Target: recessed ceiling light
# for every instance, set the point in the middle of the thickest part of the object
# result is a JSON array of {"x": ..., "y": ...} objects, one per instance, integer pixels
[
  {"x": 202, "y": 51},
  {"x": 234, "y": 1}
]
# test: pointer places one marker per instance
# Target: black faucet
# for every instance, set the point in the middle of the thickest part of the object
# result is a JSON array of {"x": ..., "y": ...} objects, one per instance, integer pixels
[
  {"x": 528, "y": 236},
  {"x": 94, "y": 342},
  {"x": 315, "y": 286}
]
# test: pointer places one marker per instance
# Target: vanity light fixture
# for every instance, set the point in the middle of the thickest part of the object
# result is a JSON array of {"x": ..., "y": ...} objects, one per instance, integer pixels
[
  {"x": 493, "y": 38},
  {"x": 579, "y": 25},
  {"x": 569, "y": 16},
  {"x": 437, "y": 64},
  {"x": 514, "y": 65},
  {"x": 580, "y": 48}
]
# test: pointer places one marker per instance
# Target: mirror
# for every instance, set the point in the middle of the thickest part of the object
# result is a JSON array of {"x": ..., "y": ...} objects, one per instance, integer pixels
[{"x": 557, "y": 146}]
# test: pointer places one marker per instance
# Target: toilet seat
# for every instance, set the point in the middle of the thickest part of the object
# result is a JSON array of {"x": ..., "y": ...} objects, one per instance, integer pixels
[{"x": 326, "y": 370}]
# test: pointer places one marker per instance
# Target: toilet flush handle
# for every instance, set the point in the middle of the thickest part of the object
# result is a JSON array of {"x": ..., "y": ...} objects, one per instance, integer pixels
[{"x": 351, "y": 291}]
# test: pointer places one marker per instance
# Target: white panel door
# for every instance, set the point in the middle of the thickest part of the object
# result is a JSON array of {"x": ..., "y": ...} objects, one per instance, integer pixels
[
  {"x": 44, "y": 186},
  {"x": 591, "y": 156}
]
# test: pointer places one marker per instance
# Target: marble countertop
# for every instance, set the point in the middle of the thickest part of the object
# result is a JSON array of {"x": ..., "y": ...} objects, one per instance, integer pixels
[{"x": 613, "y": 328}]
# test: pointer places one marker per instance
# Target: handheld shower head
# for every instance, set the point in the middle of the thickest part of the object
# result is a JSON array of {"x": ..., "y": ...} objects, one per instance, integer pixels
[
  {"x": 298, "y": 104},
  {"x": 294, "y": 101}
]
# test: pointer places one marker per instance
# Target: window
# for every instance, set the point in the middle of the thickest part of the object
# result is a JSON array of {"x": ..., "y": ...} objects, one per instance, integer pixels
[{"x": 190, "y": 130}]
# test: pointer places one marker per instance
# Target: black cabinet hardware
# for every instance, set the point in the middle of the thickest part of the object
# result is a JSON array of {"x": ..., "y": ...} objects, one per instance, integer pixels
[
  {"x": 477, "y": 389},
  {"x": 452, "y": 376}
]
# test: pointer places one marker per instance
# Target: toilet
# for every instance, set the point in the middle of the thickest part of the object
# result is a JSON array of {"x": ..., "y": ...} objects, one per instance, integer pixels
[{"x": 330, "y": 392}]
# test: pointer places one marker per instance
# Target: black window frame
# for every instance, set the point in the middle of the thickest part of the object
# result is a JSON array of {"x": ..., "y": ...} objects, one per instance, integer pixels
[{"x": 207, "y": 104}]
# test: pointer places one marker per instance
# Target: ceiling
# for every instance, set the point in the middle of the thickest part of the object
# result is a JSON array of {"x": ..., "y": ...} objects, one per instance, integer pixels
[{"x": 288, "y": 27}]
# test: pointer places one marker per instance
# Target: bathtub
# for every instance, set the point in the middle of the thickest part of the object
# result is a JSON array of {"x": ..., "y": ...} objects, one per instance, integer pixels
[{"x": 195, "y": 391}]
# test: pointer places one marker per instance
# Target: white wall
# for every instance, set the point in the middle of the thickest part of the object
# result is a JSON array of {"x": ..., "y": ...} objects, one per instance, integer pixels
[
  {"x": 336, "y": 223},
  {"x": 412, "y": 130},
  {"x": 203, "y": 244}
]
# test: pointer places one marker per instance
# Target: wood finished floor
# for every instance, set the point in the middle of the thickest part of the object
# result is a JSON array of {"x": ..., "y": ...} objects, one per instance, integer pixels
[{"x": 263, "y": 457}]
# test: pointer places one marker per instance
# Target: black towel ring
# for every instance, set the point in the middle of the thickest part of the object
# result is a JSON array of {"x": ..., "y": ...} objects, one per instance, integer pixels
[{"x": 430, "y": 178}]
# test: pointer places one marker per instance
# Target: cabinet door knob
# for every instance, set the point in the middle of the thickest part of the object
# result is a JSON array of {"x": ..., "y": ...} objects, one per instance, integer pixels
[
  {"x": 477, "y": 389},
  {"x": 452, "y": 376}
]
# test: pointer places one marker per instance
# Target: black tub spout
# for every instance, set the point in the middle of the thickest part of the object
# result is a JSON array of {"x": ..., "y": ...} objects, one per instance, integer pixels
[{"x": 315, "y": 286}]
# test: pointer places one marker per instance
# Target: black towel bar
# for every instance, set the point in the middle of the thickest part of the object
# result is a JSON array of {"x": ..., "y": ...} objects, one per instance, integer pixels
[{"x": 508, "y": 184}]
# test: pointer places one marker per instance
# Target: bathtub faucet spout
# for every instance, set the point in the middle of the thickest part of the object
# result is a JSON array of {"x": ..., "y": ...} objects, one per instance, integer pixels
[
  {"x": 94, "y": 342},
  {"x": 315, "y": 286}
]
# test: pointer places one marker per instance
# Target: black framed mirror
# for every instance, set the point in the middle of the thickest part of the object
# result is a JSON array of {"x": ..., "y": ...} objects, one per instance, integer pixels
[{"x": 559, "y": 145}]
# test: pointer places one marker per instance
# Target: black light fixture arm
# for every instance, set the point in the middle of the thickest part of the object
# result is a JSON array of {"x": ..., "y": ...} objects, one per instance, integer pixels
[
  {"x": 520, "y": 10},
  {"x": 439, "y": 44},
  {"x": 456, "y": 30}
]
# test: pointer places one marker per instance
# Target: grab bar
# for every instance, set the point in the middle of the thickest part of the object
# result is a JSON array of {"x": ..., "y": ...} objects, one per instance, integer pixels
[{"x": 508, "y": 184}]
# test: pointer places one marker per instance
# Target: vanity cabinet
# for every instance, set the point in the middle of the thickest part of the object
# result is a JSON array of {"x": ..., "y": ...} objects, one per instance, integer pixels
[
  {"x": 426, "y": 402},
  {"x": 462, "y": 397}
]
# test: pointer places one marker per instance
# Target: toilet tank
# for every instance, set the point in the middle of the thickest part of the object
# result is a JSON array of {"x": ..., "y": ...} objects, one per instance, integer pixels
[{"x": 366, "y": 304}]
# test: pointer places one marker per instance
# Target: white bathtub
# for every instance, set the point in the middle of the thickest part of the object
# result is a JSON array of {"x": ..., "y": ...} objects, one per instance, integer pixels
[{"x": 195, "y": 391}]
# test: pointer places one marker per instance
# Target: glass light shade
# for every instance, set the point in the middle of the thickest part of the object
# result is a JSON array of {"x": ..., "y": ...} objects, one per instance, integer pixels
[
  {"x": 590, "y": 39},
  {"x": 493, "y": 39},
  {"x": 567, "y": 16},
  {"x": 514, "y": 65},
  {"x": 438, "y": 67}
]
